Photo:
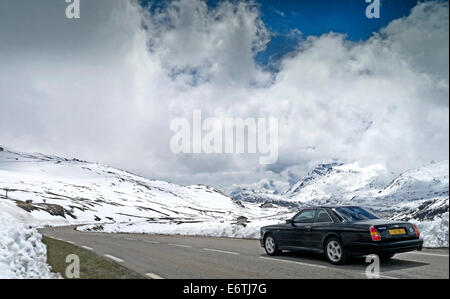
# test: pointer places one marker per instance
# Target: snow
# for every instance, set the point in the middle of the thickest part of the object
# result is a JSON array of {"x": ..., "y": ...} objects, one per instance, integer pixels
[
  {"x": 215, "y": 228},
  {"x": 343, "y": 181},
  {"x": 435, "y": 233},
  {"x": 207, "y": 229},
  {"x": 22, "y": 253},
  {"x": 78, "y": 192},
  {"x": 423, "y": 182},
  {"x": 88, "y": 192}
]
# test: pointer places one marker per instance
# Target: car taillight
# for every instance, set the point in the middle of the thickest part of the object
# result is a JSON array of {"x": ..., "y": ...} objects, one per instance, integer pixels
[
  {"x": 417, "y": 230},
  {"x": 374, "y": 234}
]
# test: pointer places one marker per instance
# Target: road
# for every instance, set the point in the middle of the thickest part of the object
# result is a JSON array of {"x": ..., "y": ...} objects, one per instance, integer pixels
[{"x": 162, "y": 256}]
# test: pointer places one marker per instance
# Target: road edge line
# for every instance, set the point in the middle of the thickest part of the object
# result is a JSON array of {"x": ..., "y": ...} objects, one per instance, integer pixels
[
  {"x": 116, "y": 259},
  {"x": 221, "y": 251},
  {"x": 294, "y": 262},
  {"x": 153, "y": 276}
]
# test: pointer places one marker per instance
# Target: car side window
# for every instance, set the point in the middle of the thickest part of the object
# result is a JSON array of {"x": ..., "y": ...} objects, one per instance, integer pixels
[
  {"x": 322, "y": 216},
  {"x": 306, "y": 216}
]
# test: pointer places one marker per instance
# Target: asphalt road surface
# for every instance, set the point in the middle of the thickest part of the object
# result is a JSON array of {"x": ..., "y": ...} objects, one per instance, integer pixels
[{"x": 161, "y": 256}]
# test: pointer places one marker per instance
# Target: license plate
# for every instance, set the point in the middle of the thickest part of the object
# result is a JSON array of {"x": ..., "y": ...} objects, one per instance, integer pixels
[{"x": 397, "y": 231}]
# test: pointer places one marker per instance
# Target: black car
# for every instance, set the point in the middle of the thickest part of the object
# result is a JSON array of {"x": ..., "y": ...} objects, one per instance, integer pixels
[{"x": 341, "y": 232}]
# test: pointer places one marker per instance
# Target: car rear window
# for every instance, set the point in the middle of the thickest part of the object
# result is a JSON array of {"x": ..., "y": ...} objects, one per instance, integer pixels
[
  {"x": 322, "y": 216},
  {"x": 354, "y": 214}
]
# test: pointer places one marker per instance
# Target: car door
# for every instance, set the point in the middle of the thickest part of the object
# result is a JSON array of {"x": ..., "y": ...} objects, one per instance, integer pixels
[
  {"x": 283, "y": 234},
  {"x": 301, "y": 233},
  {"x": 322, "y": 224}
]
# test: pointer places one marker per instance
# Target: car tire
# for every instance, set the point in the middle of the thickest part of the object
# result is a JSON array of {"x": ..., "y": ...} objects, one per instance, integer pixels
[
  {"x": 385, "y": 257},
  {"x": 271, "y": 245},
  {"x": 335, "y": 251}
]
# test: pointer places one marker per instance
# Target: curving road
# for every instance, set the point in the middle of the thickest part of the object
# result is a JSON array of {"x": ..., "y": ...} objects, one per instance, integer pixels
[{"x": 161, "y": 256}]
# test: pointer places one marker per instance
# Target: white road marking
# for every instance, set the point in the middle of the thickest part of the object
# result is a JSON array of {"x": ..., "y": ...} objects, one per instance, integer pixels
[
  {"x": 381, "y": 276},
  {"x": 116, "y": 259},
  {"x": 152, "y": 242},
  {"x": 221, "y": 251},
  {"x": 86, "y": 247},
  {"x": 430, "y": 254},
  {"x": 388, "y": 277},
  {"x": 294, "y": 262},
  {"x": 153, "y": 276},
  {"x": 179, "y": 245}
]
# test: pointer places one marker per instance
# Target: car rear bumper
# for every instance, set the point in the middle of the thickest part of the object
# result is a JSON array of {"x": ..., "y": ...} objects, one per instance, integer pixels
[{"x": 384, "y": 247}]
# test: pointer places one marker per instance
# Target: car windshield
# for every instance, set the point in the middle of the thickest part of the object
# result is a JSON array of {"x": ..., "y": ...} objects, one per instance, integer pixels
[{"x": 354, "y": 214}]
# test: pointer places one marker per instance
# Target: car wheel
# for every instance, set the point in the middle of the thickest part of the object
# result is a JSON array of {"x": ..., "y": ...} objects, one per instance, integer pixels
[
  {"x": 386, "y": 257},
  {"x": 335, "y": 251},
  {"x": 271, "y": 246}
]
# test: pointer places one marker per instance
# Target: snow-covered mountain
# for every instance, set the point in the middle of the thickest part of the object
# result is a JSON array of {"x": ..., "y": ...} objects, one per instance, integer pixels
[
  {"x": 336, "y": 183},
  {"x": 419, "y": 195},
  {"x": 49, "y": 190},
  {"x": 326, "y": 183},
  {"x": 426, "y": 182},
  {"x": 319, "y": 171},
  {"x": 265, "y": 191}
]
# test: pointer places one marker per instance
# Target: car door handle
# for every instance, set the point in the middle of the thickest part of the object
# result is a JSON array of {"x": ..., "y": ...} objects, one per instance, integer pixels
[{"x": 308, "y": 227}]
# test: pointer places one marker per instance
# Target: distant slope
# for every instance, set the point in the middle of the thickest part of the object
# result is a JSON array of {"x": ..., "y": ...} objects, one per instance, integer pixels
[
  {"x": 264, "y": 191},
  {"x": 340, "y": 183},
  {"x": 425, "y": 182},
  {"x": 421, "y": 195},
  {"x": 320, "y": 171},
  {"x": 48, "y": 190}
]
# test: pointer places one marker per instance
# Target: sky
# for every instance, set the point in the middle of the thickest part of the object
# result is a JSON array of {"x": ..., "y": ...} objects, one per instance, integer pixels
[
  {"x": 106, "y": 87},
  {"x": 286, "y": 19},
  {"x": 319, "y": 17}
]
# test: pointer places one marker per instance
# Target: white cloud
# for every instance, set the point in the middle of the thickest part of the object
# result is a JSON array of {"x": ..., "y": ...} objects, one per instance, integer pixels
[
  {"x": 105, "y": 87},
  {"x": 278, "y": 12}
]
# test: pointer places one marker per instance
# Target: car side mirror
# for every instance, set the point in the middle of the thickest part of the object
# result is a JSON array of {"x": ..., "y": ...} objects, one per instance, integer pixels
[{"x": 289, "y": 221}]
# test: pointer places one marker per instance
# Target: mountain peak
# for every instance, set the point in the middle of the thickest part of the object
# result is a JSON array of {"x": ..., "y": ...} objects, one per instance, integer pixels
[{"x": 318, "y": 171}]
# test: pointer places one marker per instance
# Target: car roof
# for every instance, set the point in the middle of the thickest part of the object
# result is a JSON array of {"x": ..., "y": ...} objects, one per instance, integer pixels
[{"x": 328, "y": 207}]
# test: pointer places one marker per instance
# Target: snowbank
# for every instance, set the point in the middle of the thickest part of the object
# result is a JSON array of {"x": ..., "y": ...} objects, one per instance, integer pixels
[
  {"x": 435, "y": 233},
  {"x": 22, "y": 253},
  {"x": 206, "y": 229}
]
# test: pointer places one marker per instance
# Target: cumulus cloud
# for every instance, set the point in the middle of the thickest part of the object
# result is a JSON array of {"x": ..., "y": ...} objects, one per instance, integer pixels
[{"x": 105, "y": 87}]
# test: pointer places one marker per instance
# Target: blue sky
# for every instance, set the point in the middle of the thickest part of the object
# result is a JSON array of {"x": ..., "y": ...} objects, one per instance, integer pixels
[
  {"x": 318, "y": 17},
  {"x": 315, "y": 17}
]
